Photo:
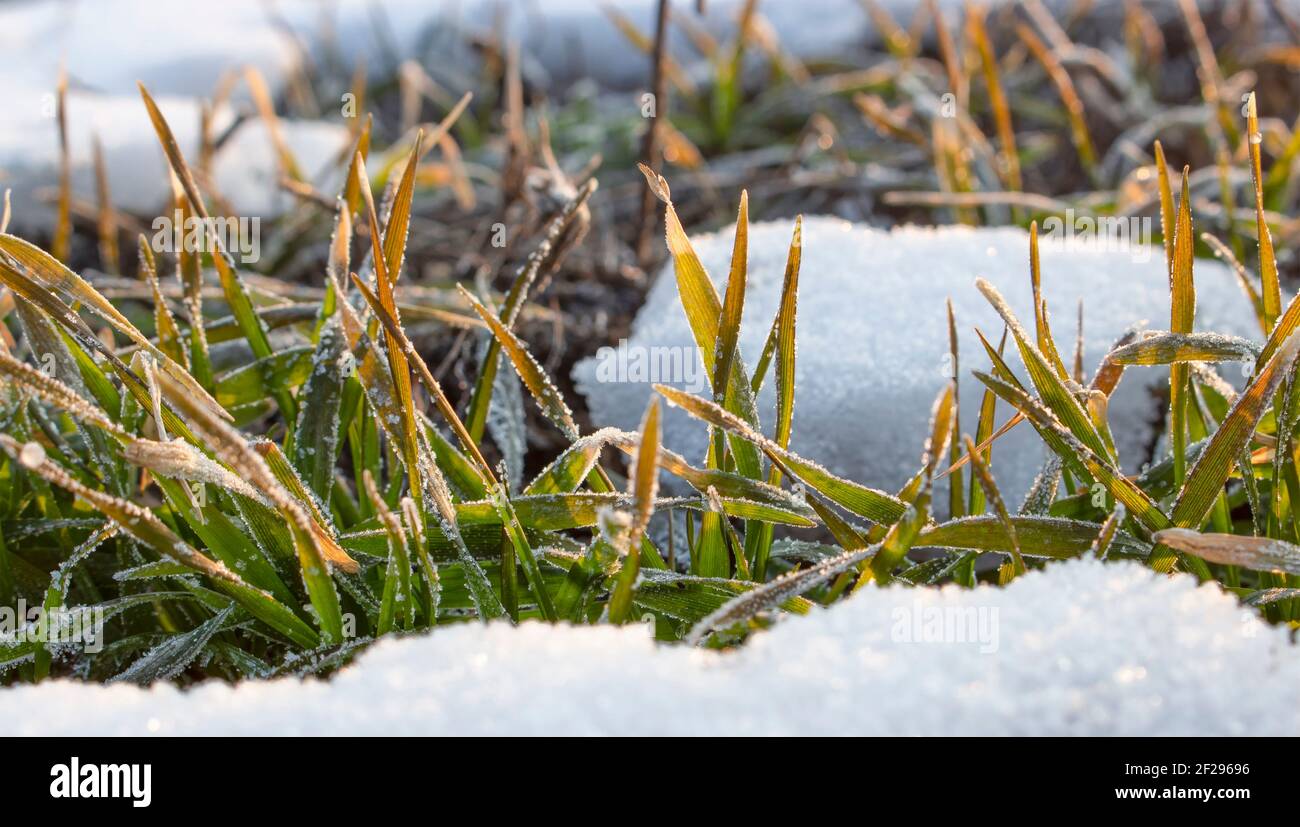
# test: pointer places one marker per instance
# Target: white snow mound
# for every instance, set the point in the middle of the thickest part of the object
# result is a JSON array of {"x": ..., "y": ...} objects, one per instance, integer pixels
[
  {"x": 1082, "y": 648},
  {"x": 872, "y": 338}
]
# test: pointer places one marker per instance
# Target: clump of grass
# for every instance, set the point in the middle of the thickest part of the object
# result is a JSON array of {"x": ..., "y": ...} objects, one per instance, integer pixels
[
  {"x": 277, "y": 513},
  {"x": 1231, "y": 470}
]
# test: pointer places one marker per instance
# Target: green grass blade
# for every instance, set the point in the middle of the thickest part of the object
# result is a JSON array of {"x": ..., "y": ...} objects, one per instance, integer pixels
[
  {"x": 236, "y": 293},
  {"x": 1272, "y": 291},
  {"x": 1137, "y": 501},
  {"x": 572, "y": 220},
  {"x": 981, "y": 471},
  {"x": 169, "y": 335},
  {"x": 316, "y": 434},
  {"x": 190, "y": 270},
  {"x": 169, "y": 658},
  {"x": 1046, "y": 537},
  {"x": 515, "y": 536},
  {"x": 727, "y": 484},
  {"x": 861, "y": 500},
  {"x": 52, "y": 278},
  {"x": 1042, "y": 328},
  {"x": 568, "y": 471},
  {"x": 1166, "y": 206},
  {"x": 1211, "y": 470},
  {"x": 397, "y": 606},
  {"x": 703, "y": 308},
  {"x": 394, "y": 329},
  {"x": 784, "y": 336},
  {"x": 983, "y": 434},
  {"x": 644, "y": 476},
  {"x": 1048, "y": 381},
  {"x": 1182, "y": 290},
  {"x": 773, "y": 593},
  {"x": 137, "y": 521},
  {"x": 733, "y": 304},
  {"x": 548, "y": 397},
  {"x": 898, "y": 541}
]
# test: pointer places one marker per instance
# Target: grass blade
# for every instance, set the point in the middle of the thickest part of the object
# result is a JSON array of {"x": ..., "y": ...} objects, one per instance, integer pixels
[
  {"x": 1166, "y": 348},
  {"x": 1008, "y": 156},
  {"x": 1068, "y": 446},
  {"x": 981, "y": 471},
  {"x": 384, "y": 254},
  {"x": 574, "y": 215},
  {"x": 1048, "y": 379},
  {"x": 169, "y": 335},
  {"x": 316, "y": 433},
  {"x": 53, "y": 277},
  {"x": 1271, "y": 293},
  {"x": 169, "y": 658},
  {"x": 106, "y": 220},
  {"x": 426, "y": 377},
  {"x": 865, "y": 502},
  {"x": 397, "y": 606},
  {"x": 135, "y": 520},
  {"x": 232, "y": 286},
  {"x": 60, "y": 245},
  {"x": 773, "y": 593},
  {"x": 1211, "y": 470},
  {"x": 644, "y": 476},
  {"x": 1046, "y": 537},
  {"x": 548, "y": 397},
  {"x": 704, "y": 311},
  {"x": 1182, "y": 311},
  {"x": 733, "y": 305},
  {"x": 1254, "y": 553},
  {"x": 784, "y": 334},
  {"x": 316, "y": 548}
]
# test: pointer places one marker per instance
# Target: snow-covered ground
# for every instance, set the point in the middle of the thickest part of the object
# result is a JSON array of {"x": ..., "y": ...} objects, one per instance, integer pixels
[
  {"x": 1082, "y": 648},
  {"x": 873, "y": 337},
  {"x": 107, "y": 46}
]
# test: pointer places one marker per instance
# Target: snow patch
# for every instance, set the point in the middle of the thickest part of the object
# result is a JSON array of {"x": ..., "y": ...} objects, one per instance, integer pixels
[
  {"x": 872, "y": 338},
  {"x": 247, "y": 168},
  {"x": 1083, "y": 647}
]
